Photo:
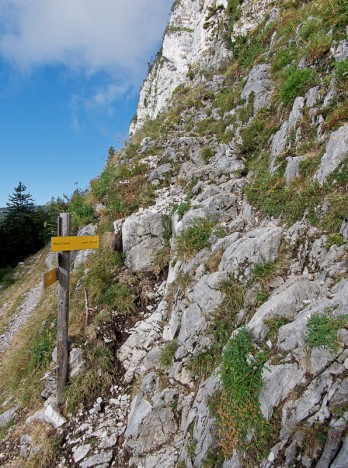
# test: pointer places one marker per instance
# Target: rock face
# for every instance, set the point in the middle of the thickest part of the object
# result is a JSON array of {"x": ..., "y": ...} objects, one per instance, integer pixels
[
  {"x": 259, "y": 85},
  {"x": 336, "y": 152},
  {"x": 185, "y": 44},
  {"x": 260, "y": 158},
  {"x": 143, "y": 237},
  {"x": 258, "y": 246}
]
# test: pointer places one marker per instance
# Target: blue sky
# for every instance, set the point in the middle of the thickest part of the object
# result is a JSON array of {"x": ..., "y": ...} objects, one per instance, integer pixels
[{"x": 70, "y": 73}]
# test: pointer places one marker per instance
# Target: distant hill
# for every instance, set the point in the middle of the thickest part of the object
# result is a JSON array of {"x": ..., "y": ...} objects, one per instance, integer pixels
[{"x": 3, "y": 212}]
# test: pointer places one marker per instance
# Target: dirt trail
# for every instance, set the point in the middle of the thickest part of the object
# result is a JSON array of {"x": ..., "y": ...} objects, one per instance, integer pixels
[{"x": 21, "y": 316}]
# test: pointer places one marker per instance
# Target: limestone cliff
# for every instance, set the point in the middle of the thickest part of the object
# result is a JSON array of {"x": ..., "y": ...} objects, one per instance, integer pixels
[{"x": 224, "y": 286}]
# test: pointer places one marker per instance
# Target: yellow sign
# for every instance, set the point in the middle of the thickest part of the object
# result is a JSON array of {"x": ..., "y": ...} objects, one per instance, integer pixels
[
  {"x": 50, "y": 277},
  {"x": 63, "y": 244}
]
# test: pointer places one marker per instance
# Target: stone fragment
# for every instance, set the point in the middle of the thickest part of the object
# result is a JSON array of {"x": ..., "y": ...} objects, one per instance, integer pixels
[
  {"x": 319, "y": 359},
  {"x": 313, "y": 96},
  {"x": 108, "y": 442},
  {"x": 81, "y": 452},
  {"x": 76, "y": 362},
  {"x": 333, "y": 441},
  {"x": 340, "y": 52},
  {"x": 295, "y": 411},
  {"x": 279, "y": 143},
  {"x": 27, "y": 448},
  {"x": 158, "y": 174},
  {"x": 193, "y": 322},
  {"x": 151, "y": 421},
  {"x": 103, "y": 458},
  {"x": 49, "y": 415}
]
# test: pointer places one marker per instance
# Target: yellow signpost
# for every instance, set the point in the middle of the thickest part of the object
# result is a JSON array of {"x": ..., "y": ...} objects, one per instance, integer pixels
[
  {"x": 67, "y": 243},
  {"x": 63, "y": 244},
  {"x": 50, "y": 277}
]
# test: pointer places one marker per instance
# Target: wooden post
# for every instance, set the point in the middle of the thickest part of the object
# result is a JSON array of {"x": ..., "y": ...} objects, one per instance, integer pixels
[{"x": 63, "y": 310}]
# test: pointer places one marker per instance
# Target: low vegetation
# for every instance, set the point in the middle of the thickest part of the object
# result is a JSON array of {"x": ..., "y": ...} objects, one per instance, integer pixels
[
  {"x": 239, "y": 409},
  {"x": 194, "y": 238},
  {"x": 167, "y": 353},
  {"x": 322, "y": 330}
]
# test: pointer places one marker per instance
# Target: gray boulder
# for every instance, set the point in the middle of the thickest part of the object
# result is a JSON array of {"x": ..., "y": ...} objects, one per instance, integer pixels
[
  {"x": 260, "y": 84},
  {"x": 340, "y": 52},
  {"x": 158, "y": 174},
  {"x": 143, "y": 236},
  {"x": 81, "y": 256},
  {"x": 341, "y": 461},
  {"x": 206, "y": 293},
  {"x": 336, "y": 152},
  {"x": 151, "y": 420},
  {"x": 285, "y": 302},
  {"x": 193, "y": 322},
  {"x": 296, "y": 113},
  {"x": 293, "y": 168},
  {"x": 279, "y": 144},
  {"x": 278, "y": 382},
  {"x": 258, "y": 246},
  {"x": 76, "y": 362},
  {"x": 8, "y": 416}
]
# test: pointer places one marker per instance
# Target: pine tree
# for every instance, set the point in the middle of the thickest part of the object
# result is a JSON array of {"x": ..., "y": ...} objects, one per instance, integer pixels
[
  {"x": 22, "y": 232},
  {"x": 20, "y": 202}
]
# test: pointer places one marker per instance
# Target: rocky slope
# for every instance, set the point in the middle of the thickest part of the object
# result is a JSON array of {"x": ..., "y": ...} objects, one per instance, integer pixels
[{"x": 231, "y": 210}]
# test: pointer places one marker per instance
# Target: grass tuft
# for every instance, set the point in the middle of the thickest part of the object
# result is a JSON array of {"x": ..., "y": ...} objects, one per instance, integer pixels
[
  {"x": 194, "y": 238},
  {"x": 322, "y": 330},
  {"x": 241, "y": 424}
]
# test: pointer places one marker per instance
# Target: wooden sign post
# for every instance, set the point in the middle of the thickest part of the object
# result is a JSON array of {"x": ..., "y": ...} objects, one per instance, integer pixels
[
  {"x": 63, "y": 310},
  {"x": 63, "y": 244}
]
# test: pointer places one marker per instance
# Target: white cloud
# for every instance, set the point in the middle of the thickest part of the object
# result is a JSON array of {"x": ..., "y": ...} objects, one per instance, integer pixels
[{"x": 116, "y": 36}]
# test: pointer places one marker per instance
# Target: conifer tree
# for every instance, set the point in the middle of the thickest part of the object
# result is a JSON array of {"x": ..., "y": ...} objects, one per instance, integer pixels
[
  {"x": 22, "y": 231},
  {"x": 20, "y": 202}
]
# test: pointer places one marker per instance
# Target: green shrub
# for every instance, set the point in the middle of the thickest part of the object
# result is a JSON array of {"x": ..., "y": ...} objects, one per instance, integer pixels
[
  {"x": 256, "y": 135},
  {"x": 194, "y": 238},
  {"x": 101, "y": 273},
  {"x": 6, "y": 277},
  {"x": 309, "y": 28},
  {"x": 182, "y": 208},
  {"x": 206, "y": 154},
  {"x": 167, "y": 353},
  {"x": 239, "y": 409},
  {"x": 226, "y": 99},
  {"x": 264, "y": 271},
  {"x": 318, "y": 46},
  {"x": 95, "y": 381},
  {"x": 119, "y": 297},
  {"x": 334, "y": 239},
  {"x": 220, "y": 328},
  {"x": 82, "y": 211},
  {"x": 41, "y": 349},
  {"x": 285, "y": 57},
  {"x": 295, "y": 83},
  {"x": 342, "y": 70},
  {"x": 322, "y": 330}
]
